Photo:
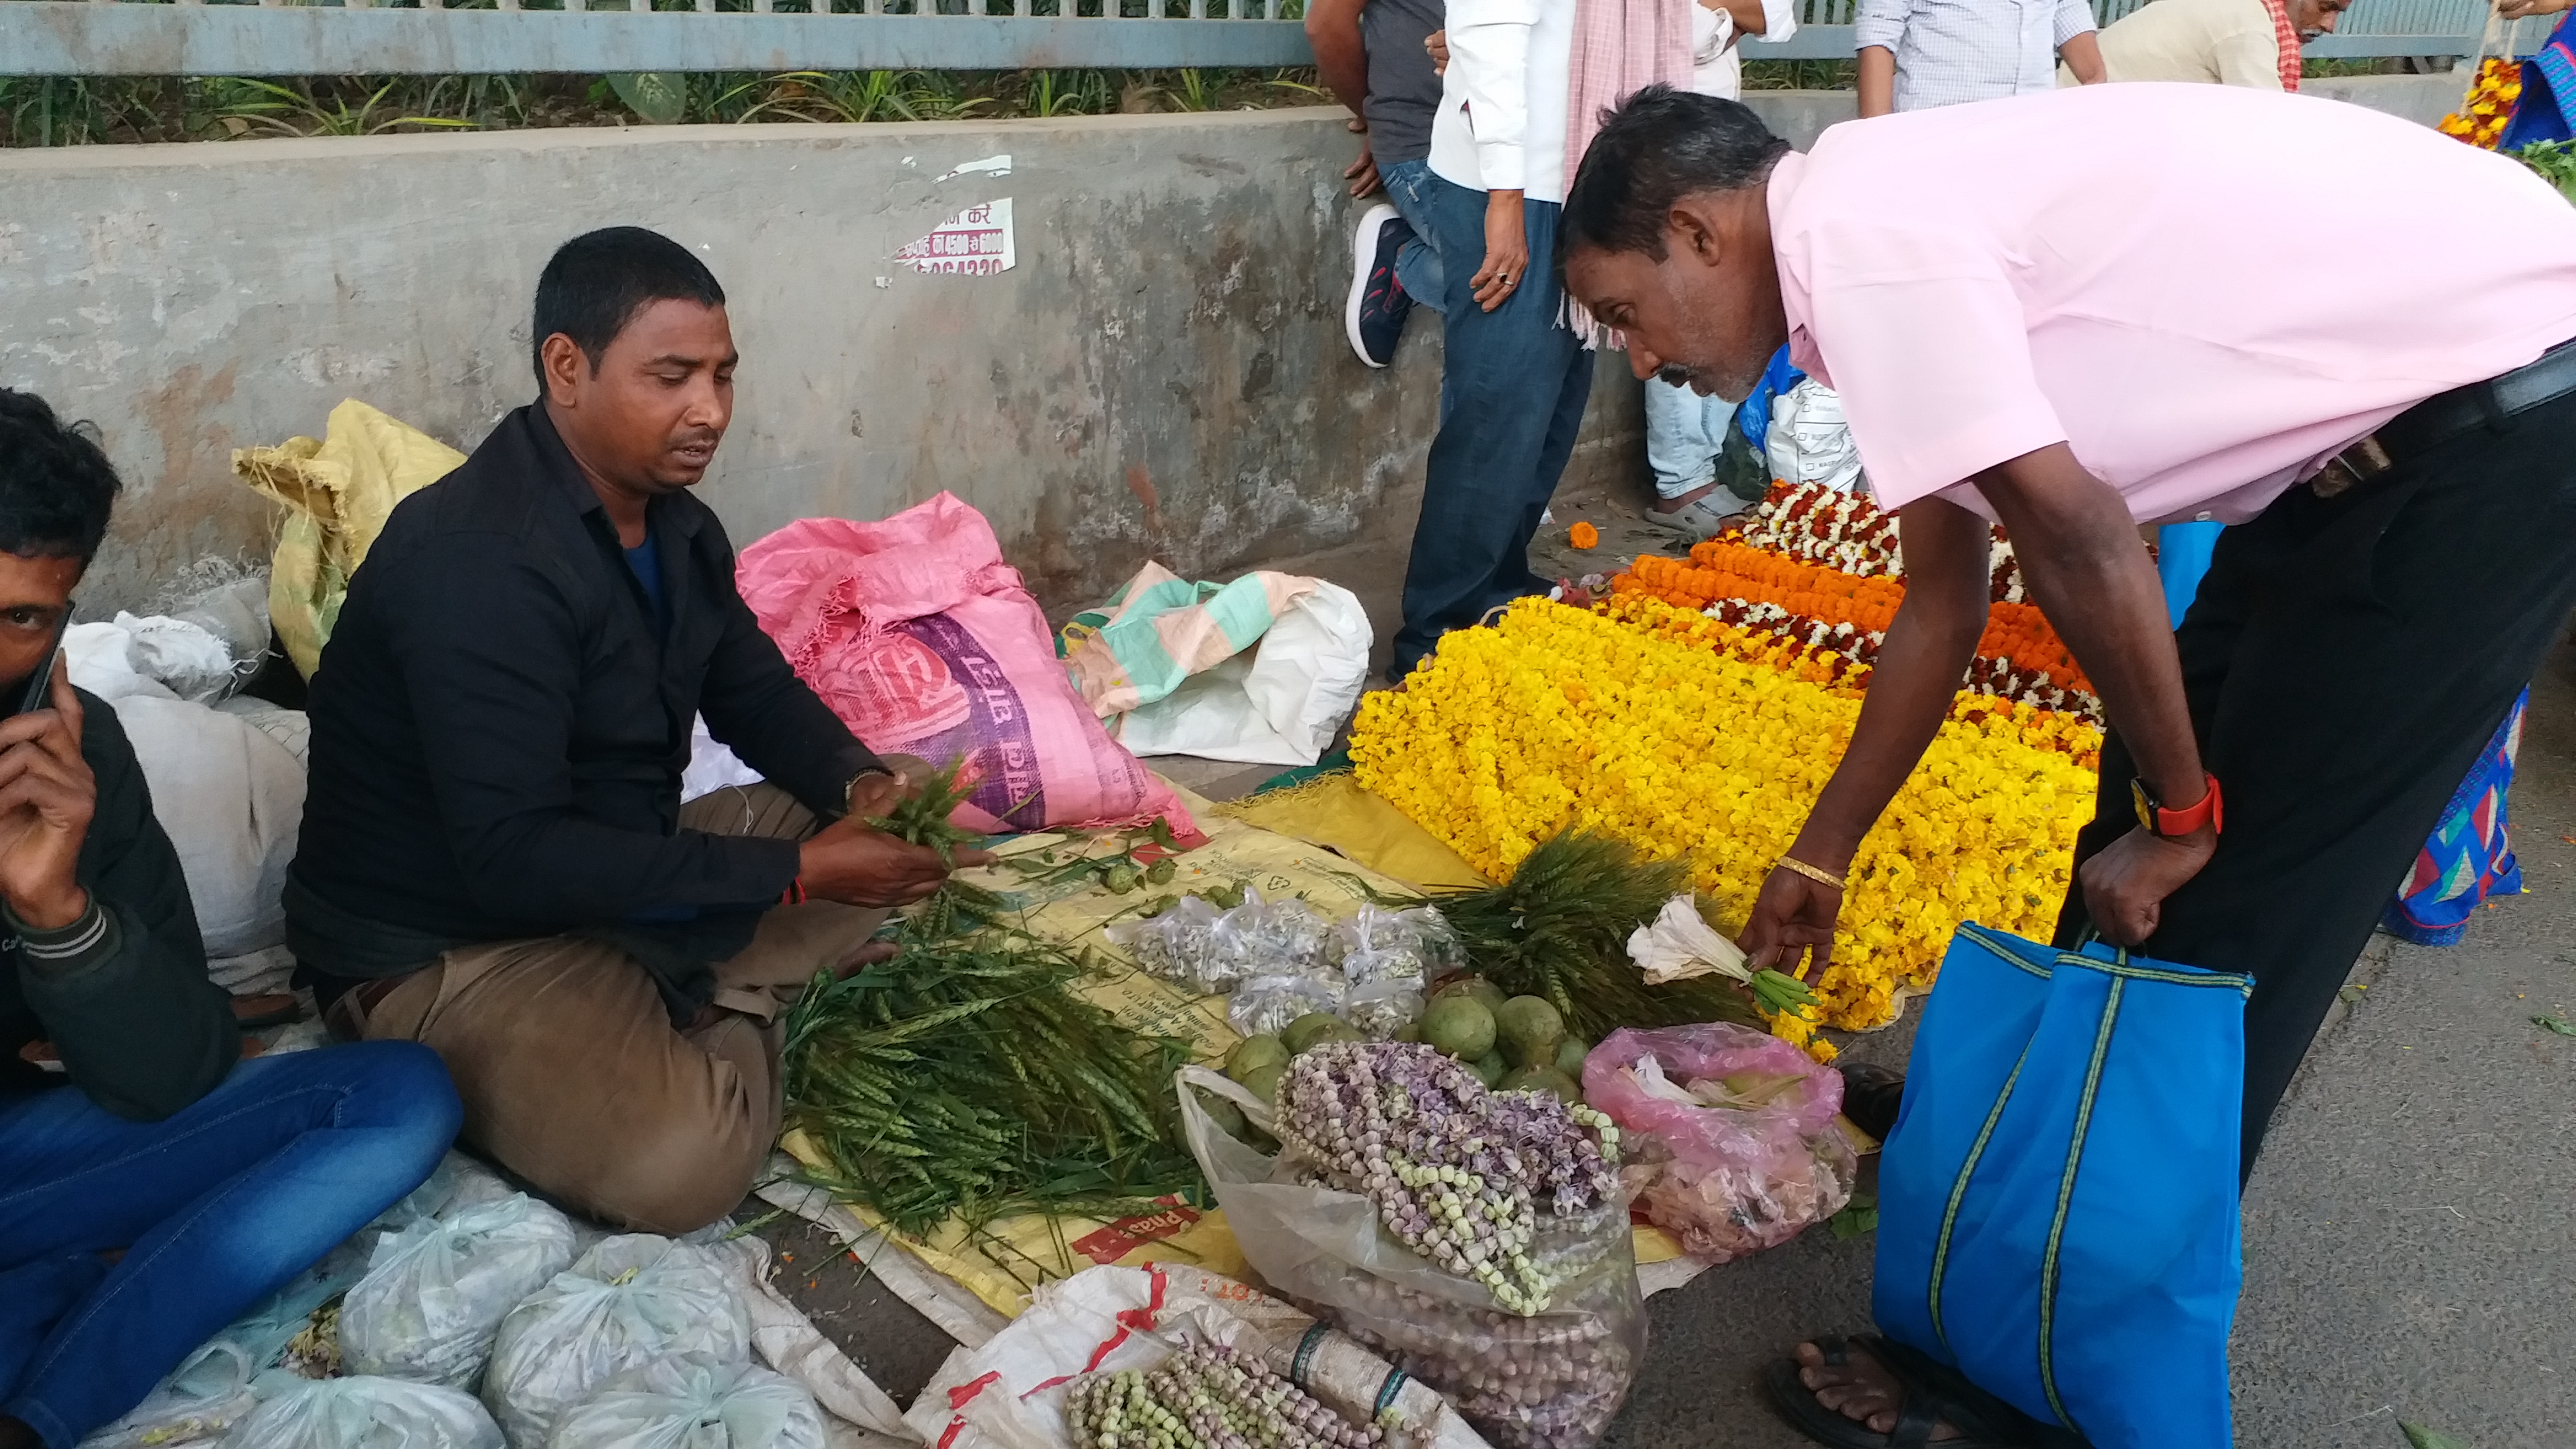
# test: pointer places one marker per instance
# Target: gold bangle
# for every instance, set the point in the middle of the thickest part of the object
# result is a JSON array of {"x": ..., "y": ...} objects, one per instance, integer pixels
[{"x": 1820, "y": 877}]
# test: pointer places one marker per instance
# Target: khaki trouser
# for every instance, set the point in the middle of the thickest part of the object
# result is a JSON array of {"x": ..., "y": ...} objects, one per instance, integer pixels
[{"x": 573, "y": 1077}]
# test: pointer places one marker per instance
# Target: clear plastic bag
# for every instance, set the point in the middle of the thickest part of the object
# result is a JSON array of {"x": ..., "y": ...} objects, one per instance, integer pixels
[
  {"x": 1381, "y": 1009},
  {"x": 1413, "y": 944},
  {"x": 628, "y": 1301},
  {"x": 690, "y": 1403},
  {"x": 1553, "y": 1380},
  {"x": 362, "y": 1413},
  {"x": 435, "y": 1292},
  {"x": 1731, "y": 1134},
  {"x": 1280, "y": 938},
  {"x": 1264, "y": 1005},
  {"x": 211, "y": 1389},
  {"x": 1181, "y": 945}
]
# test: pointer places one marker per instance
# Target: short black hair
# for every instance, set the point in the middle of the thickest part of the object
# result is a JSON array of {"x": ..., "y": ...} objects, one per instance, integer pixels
[
  {"x": 1661, "y": 146},
  {"x": 56, "y": 485},
  {"x": 596, "y": 283}
]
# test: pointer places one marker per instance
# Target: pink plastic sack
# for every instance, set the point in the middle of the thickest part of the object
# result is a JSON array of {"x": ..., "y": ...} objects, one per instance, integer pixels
[
  {"x": 923, "y": 641},
  {"x": 1731, "y": 1140}
]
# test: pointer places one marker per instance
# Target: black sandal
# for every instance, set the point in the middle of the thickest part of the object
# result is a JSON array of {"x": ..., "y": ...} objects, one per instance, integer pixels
[
  {"x": 1871, "y": 1096},
  {"x": 1933, "y": 1396}
]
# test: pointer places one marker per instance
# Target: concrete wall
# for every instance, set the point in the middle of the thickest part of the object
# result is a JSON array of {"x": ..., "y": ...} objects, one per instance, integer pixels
[
  {"x": 1162, "y": 374},
  {"x": 1802, "y": 115}
]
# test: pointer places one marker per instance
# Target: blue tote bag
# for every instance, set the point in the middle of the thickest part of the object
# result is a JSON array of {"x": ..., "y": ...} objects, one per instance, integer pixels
[{"x": 2058, "y": 1200}]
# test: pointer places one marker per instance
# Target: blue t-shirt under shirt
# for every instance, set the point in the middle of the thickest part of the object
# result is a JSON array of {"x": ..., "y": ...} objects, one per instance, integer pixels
[{"x": 647, "y": 567}]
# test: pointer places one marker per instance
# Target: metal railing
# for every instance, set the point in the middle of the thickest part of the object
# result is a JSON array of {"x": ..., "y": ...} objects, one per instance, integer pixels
[
  {"x": 2370, "y": 28},
  {"x": 481, "y": 37}
]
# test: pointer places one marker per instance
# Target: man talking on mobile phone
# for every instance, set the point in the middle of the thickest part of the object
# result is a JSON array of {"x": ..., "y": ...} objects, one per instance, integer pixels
[{"x": 152, "y": 1183}]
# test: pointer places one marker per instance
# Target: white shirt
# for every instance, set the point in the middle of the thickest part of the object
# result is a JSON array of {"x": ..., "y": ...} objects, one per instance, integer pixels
[
  {"x": 1953, "y": 51},
  {"x": 1717, "y": 62},
  {"x": 1501, "y": 125}
]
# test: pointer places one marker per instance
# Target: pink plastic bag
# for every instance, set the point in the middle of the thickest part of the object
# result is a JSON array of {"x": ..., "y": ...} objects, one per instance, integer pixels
[
  {"x": 924, "y": 641},
  {"x": 1732, "y": 1144}
]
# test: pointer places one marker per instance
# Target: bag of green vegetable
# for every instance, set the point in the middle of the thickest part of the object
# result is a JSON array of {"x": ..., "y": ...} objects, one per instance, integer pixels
[
  {"x": 690, "y": 1403},
  {"x": 1732, "y": 1134},
  {"x": 1492, "y": 1261},
  {"x": 628, "y": 1301},
  {"x": 362, "y": 1412},
  {"x": 435, "y": 1292}
]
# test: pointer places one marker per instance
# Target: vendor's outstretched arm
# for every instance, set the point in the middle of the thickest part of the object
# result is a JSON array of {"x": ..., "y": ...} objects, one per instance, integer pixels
[
  {"x": 1919, "y": 671},
  {"x": 2080, "y": 556}
]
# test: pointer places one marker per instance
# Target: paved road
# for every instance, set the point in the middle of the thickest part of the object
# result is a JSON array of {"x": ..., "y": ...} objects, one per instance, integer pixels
[{"x": 2410, "y": 1236}]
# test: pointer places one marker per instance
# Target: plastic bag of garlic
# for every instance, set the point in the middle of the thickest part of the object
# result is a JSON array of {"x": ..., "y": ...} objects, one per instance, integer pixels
[
  {"x": 1015, "y": 1390},
  {"x": 1478, "y": 1239}
]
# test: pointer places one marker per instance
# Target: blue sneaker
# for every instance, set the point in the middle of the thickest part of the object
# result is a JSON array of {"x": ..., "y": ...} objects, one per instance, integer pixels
[{"x": 1379, "y": 303}]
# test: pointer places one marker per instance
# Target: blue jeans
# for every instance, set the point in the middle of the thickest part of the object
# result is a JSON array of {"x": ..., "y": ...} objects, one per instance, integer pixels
[
  {"x": 1512, "y": 388},
  {"x": 1417, "y": 262},
  {"x": 1684, "y": 434},
  {"x": 214, "y": 1207}
]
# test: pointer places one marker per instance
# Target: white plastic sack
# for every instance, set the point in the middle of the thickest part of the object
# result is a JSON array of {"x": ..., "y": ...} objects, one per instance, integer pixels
[
  {"x": 435, "y": 1293},
  {"x": 683, "y": 1403},
  {"x": 628, "y": 1301},
  {"x": 232, "y": 800},
  {"x": 234, "y": 612},
  {"x": 157, "y": 657},
  {"x": 1809, "y": 442},
  {"x": 711, "y": 766},
  {"x": 1278, "y": 703},
  {"x": 362, "y": 1413},
  {"x": 1010, "y": 1392}
]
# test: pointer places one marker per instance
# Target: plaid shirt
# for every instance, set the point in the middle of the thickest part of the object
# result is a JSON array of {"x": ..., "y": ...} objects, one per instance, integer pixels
[{"x": 1951, "y": 51}]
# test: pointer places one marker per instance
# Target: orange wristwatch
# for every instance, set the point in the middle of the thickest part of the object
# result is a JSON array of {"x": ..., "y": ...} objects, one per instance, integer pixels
[{"x": 2170, "y": 824}]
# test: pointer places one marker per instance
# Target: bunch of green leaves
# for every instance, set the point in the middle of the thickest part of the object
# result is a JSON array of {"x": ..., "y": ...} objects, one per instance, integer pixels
[
  {"x": 1143, "y": 857},
  {"x": 965, "y": 1079},
  {"x": 1559, "y": 929},
  {"x": 922, "y": 818},
  {"x": 2556, "y": 163}
]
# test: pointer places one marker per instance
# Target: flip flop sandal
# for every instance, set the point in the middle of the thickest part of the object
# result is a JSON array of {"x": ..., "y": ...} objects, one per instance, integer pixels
[
  {"x": 1700, "y": 520},
  {"x": 1922, "y": 1409}
]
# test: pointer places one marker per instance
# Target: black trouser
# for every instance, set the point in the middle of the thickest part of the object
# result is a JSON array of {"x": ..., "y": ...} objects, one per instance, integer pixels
[{"x": 2345, "y": 661}]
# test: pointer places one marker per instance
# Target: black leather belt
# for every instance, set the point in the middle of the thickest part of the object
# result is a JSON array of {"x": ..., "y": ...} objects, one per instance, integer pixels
[{"x": 2444, "y": 416}]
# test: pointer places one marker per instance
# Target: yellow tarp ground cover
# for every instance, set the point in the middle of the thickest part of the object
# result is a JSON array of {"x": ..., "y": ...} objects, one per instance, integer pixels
[{"x": 1002, "y": 1264}]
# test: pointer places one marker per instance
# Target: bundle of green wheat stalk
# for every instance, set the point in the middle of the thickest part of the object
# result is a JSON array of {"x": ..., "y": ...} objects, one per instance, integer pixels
[{"x": 1558, "y": 929}]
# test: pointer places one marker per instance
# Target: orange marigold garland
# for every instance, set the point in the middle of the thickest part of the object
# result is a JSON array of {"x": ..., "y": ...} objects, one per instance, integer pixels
[{"x": 1736, "y": 580}]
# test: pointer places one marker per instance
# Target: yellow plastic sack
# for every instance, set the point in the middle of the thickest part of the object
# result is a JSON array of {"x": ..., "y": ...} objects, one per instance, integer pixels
[
  {"x": 338, "y": 493},
  {"x": 1333, "y": 811}
]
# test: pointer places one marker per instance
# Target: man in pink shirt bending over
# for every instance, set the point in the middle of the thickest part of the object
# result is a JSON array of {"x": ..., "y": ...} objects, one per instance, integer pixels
[{"x": 2076, "y": 312}]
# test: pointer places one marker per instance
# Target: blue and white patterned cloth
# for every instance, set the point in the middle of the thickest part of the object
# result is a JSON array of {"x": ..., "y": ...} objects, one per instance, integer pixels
[
  {"x": 2469, "y": 856},
  {"x": 1953, "y": 51}
]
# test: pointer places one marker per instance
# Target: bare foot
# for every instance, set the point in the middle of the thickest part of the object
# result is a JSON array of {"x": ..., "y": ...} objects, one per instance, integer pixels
[
  {"x": 1676, "y": 505},
  {"x": 1859, "y": 1388}
]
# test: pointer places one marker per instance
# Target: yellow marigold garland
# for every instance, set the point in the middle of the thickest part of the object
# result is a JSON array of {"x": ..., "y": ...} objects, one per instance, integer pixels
[
  {"x": 2488, "y": 107},
  {"x": 1643, "y": 729}
]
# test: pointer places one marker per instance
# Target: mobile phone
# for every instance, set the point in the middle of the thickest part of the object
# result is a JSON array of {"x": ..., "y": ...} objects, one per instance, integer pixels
[{"x": 40, "y": 685}]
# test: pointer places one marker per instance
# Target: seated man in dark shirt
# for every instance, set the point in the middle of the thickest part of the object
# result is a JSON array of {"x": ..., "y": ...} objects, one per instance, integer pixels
[
  {"x": 155, "y": 1185},
  {"x": 495, "y": 860}
]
